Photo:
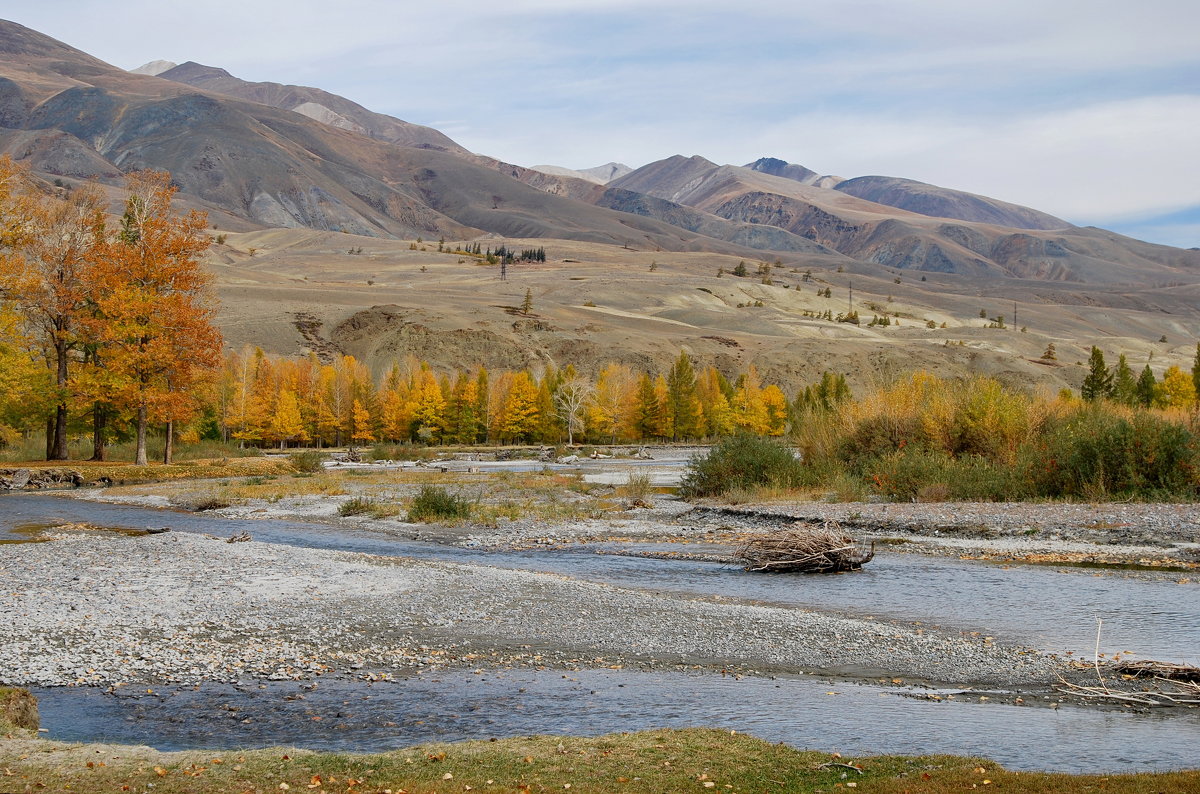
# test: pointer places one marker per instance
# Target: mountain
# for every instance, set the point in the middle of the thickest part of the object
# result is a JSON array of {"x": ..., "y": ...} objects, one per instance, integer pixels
[
  {"x": 319, "y": 105},
  {"x": 255, "y": 165},
  {"x": 906, "y": 225},
  {"x": 154, "y": 68},
  {"x": 601, "y": 174},
  {"x": 940, "y": 202},
  {"x": 798, "y": 173}
]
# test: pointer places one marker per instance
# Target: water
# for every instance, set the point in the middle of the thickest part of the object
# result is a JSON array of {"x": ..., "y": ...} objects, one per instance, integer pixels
[
  {"x": 1040, "y": 606},
  {"x": 806, "y": 713},
  {"x": 1054, "y": 609}
]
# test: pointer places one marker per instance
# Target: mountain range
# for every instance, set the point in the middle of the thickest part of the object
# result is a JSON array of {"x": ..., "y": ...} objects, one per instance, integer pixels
[{"x": 265, "y": 155}]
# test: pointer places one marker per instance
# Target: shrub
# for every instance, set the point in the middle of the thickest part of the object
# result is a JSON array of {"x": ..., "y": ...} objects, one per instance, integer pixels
[
  {"x": 199, "y": 504},
  {"x": 931, "y": 476},
  {"x": 1095, "y": 453},
  {"x": 434, "y": 503},
  {"x": 637, "y": 488},
  {"x": 399, "y": 452},
  {"x": 357, "y": 506},
  {"x": 741, "y": 462},
  {"x": 308, "y": 462}
]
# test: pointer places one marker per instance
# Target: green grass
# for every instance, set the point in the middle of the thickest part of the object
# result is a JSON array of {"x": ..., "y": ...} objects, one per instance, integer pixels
[
  {"x": 651, "y": 762},
  {"x": 433, "y": 503}
]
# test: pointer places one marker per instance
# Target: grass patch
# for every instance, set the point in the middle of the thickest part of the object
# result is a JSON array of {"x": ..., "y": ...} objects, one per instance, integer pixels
[
  {"x": 651, "y": 762},
  {"x": 307, "y": 462},
  {"x": 434, "y": 503},
  {"x": 357, "y": 506},
  {"x": 18, "y": 710}
]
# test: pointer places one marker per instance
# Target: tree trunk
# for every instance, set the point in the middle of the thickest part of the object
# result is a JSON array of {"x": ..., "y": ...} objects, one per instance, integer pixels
[
  {"x": 99, "y": 442},
  {"x": 169, "y": 446},
  {"x": 141, "y": 436},
  {"x": 58, "y": 444},
  {"x": 49, "y": 438}
]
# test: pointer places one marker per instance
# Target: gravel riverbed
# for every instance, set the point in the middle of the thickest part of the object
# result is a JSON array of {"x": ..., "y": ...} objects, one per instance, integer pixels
[{"x": 98, "y": 609}]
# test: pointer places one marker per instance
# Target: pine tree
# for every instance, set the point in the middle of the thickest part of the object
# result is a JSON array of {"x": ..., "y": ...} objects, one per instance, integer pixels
[
  {"x": 1124, "y": 387},
  {"x": 1147, "y": 388},
  {"x": 527, "y": 304},
  {"x": 1098, "y": 383},
  {"x": 1196, "y": 369}
]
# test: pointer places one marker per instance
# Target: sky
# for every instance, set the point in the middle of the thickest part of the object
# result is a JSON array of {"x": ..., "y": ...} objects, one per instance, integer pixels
[{"x": 1087, "y": 109}]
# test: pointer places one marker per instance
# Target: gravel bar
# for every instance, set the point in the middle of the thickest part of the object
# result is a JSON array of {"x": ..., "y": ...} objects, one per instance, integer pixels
[{"x": 175, "y": 608}]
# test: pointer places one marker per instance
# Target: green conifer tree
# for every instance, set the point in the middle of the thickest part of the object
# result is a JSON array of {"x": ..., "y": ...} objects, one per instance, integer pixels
[{"x": 1098, "y": 383}]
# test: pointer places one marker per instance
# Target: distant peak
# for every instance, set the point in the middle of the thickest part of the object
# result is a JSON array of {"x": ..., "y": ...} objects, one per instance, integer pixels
[
  {"x": 194, "y": 70},
  {"x": 154, "y": 68}
]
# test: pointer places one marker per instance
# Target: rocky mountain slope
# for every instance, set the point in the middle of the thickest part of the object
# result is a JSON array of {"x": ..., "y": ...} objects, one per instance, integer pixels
[
  {"x": 319, "y": 105},
  {"x": 907, "y": 225}
]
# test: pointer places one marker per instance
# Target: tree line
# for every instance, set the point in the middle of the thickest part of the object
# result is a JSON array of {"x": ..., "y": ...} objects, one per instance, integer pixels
[
  {"x": 109, "y": 321},
  {"x": 262, "y": 399}
]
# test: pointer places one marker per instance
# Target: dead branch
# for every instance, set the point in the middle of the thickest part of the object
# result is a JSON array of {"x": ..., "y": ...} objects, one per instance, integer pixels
[{"x": 805, "y": 548}]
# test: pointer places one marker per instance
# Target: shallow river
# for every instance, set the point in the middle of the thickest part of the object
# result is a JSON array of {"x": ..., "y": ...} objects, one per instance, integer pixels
[{"x": 1050, "y": 608}]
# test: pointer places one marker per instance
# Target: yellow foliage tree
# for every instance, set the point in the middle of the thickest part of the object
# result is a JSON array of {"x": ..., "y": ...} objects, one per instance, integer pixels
[
  {"x": 1177, "y": 389},
  {"x": 360, "y": 425}
]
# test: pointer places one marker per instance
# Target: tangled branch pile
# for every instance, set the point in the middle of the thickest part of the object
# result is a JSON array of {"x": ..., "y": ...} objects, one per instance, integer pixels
[{"x": 805, "y": 548}]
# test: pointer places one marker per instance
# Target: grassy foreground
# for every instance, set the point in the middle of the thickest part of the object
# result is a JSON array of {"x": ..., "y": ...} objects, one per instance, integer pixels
[{"x": 652, "y": 761}]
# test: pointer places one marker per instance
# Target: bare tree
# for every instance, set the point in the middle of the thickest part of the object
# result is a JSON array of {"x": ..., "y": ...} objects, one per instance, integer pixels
[{"x": 570, "y": 399}]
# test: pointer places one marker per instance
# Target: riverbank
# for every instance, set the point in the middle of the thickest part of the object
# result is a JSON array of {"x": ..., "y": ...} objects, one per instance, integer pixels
[{"x": 649, "y": 762}]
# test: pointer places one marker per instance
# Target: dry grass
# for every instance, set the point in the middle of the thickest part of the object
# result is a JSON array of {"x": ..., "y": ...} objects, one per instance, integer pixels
[
  {"x": 652, "y": 762},
  {"x": 18, "y": 710}
]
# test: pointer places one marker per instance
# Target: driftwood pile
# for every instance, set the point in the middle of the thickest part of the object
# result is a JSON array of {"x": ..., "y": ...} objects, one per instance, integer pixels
[{"x": 805, "y": 548}]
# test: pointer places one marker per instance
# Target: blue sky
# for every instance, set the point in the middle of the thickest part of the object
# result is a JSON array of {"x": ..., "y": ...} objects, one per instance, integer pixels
[{"x": 1086, "y": 109}]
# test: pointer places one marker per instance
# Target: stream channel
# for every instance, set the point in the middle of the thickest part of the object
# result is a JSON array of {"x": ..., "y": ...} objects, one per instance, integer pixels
[{"x": 1051, "y": 608}]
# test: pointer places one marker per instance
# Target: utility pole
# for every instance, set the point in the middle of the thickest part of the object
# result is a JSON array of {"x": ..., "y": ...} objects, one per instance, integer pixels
[{"x": 850, "y": 301}]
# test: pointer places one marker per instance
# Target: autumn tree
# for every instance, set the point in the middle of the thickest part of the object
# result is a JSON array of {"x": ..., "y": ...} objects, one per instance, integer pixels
[
  {"x": 611, "y": 403},
  {"x": 153, "y": 306},
  {"x": 52, "y": 247},
  {"x": 519, "y": 416},
  {"x": 1176, "y": 390},
  {"x": 286, "y": 423},
  {"x": 683, "y": 402}
]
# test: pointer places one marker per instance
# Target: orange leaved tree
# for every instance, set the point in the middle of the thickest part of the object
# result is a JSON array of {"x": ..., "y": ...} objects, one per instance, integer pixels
[
  {"x": 51, "y": 246},
  {"x": 154, "y": 307}
]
